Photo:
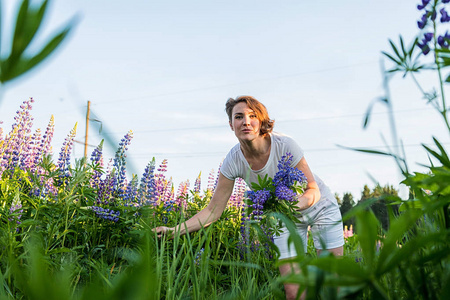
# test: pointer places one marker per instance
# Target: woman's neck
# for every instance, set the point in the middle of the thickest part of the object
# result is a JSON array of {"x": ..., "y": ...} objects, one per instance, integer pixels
[{"x": 257, "y": 151}]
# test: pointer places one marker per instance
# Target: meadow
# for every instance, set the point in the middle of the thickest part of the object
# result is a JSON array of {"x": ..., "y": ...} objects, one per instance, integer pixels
[{"x": 82, "y": 229}]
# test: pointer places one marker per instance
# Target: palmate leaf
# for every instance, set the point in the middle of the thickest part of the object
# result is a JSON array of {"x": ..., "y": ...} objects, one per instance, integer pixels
[
  {"x": 263, "y": 183},
  {"x": 442, "y": 157},
  {"x": 403, "y": 58}
]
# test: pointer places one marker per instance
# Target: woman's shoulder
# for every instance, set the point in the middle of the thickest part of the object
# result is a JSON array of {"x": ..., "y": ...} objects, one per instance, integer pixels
[{"x": 278, "y": 137}]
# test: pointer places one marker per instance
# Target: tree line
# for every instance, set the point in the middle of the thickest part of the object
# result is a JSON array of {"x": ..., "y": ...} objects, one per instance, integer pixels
[{"x": 383, "y": 204}]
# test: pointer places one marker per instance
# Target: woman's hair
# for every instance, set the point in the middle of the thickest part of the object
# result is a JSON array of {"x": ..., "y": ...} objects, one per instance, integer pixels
[{"x": 259, "y": 109}]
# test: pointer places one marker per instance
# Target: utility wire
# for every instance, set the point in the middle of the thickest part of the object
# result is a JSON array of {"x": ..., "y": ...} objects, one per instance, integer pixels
[
  {"x": 277, "y": 121},
  {"x": 210, "y": 154},
  {"x": 238, "y": 83}
]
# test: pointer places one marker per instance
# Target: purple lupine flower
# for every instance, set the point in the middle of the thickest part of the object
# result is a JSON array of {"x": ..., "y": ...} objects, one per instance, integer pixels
[
  {"x": 444, "y": 40},
  {"x": 97, "y": 161},
  {"x": 282, "y": 192},
  {"x": 15, "y": 212},
  {"x": 198, "y": 256},
  {"x": 258, "y": 198},
  {"x": 146, "y": 193},
  {"x": 427, "y": 37},
  {"x": 64, "y": 156},
  {"x": 423, "y": 5},
  {"x": 120, "y": 163},
  {"x": 445, "y": 1},
  {"x": 423, "y": 21},
  {"x": 238, "y": 195},
  {"x": 16, "y": 147},
  {"x": 106, "y": 189},
  {"x": 444, "y": 16},
  {"x": 47, "y": 137},
  {"x": 106, "y": 213},
  {"x": 198, "y": 183},
  {"x": 131, "y": 192},
  {"x": 433, "y": 15},
  {"x": 287, "y": 175}
]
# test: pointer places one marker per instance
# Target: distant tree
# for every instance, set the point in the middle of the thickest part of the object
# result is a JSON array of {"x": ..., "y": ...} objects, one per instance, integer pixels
[
  {"x": 366, "y": 193},
  {"x": 346, "y": 205},
  {"x": 338, "y": 198},
  {"x": 382, "y": 207}
]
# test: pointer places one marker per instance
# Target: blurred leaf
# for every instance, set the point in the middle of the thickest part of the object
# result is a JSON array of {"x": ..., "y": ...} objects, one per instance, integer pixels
[
  {"x": 342, "y": 266},
  {"x": 28, "y": 22},
  {"x": 410, "y": 204},
  {"x": 293, "y": 235},
  {"x": 26, "y": 64},
  {"x": 367, "y": 225},
  {"x": 397, "y": 230}
]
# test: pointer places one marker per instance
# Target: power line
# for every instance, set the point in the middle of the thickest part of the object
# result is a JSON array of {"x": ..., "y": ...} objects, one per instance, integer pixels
[
  {"x": 237, "y": 83},
  {"x": 222, "y": 153},
  {"x": 277, "y": 121}
]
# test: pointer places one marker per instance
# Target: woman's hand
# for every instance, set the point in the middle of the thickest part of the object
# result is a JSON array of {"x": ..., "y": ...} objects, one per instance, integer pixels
[{"x": 163, "y": 230}]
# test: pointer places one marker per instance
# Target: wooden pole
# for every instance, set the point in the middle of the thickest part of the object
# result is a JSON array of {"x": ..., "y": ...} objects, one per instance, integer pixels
[{"x": 87, "y": 128}]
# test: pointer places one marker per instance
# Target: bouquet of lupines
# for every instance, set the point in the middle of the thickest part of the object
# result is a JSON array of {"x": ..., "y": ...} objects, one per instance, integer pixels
[{"x": 278, "y": 194}]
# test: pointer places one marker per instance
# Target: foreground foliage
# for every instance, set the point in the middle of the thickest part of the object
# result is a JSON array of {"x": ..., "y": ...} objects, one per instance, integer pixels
[{"x": 83, "y": 230}]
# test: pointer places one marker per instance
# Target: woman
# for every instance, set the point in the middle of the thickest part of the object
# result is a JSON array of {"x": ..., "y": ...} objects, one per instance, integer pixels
[{"x": 257, "y": 153}]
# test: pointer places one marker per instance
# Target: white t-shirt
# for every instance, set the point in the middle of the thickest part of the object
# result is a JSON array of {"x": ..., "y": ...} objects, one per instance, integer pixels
[{"x": 235, "y": 165}]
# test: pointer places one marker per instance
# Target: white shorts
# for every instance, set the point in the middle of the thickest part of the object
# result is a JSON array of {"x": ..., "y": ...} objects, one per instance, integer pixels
[{"x": 325, "y": 220}]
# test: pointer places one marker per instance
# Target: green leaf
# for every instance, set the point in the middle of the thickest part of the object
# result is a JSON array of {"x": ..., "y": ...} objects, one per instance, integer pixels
[
  {"x": 342, "y": 266},
  {"x": 367, "y": 225},
  {"x": 395, "y": 50},
  {"x": 28, "y": 22},
  {"x": 26, "y": 64},
  {"x": 392, "y": 58},
  {"x": 397, "y": 230}
]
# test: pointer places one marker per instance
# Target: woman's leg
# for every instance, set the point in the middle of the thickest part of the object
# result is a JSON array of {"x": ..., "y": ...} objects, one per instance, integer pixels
[
  {"x": 291, "y": 289},
  {"x": 339, "y": 251}
]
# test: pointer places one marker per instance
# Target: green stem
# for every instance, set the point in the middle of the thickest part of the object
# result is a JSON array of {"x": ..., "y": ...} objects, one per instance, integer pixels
[{"x": 441, "y": 83}]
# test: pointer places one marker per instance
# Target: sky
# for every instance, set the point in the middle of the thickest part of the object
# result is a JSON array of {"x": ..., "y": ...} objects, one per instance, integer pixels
[{"x": 164, "y": 69}]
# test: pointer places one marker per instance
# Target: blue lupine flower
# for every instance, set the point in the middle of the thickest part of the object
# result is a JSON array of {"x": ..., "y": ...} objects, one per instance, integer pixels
[
  {"x": 444, "y": 16},
  {"x": 198, "y": 256},
  {"x": 424, "y": 44},
  {"x": 423, "y": 5},
  {"x": 444, "y": 40},
  {"x": 120, "y": 163},
  {"x": 286, "y": 174},
  {"x": 15, "y": 212},
  {"x": 258, "y": 198},
  {"x": 282, "y": 192},
  {"x": 105, "y": 213},
  {"x": 423, "y": 21},
  {"x": 146, "y": 193}
]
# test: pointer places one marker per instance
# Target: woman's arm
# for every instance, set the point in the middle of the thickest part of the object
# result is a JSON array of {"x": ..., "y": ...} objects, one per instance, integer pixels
[
  {"x": 209, "y": 214},
  {"x": 312, "y": 192}
]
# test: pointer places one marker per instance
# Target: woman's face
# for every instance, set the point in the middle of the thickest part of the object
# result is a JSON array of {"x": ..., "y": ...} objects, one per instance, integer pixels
[{"x": 244, "y": 122}]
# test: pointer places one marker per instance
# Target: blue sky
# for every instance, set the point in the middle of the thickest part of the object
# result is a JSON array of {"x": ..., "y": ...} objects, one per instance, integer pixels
[{"x": 164, "y": 70}]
